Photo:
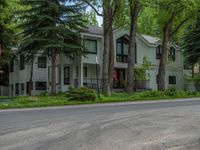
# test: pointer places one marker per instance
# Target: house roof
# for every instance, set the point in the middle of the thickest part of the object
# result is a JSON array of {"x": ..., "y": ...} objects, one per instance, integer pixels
[
  {"x": 151, "y": 39},
  {"x": 94, "y": 30},
  {"x": 99, "y": 31}
]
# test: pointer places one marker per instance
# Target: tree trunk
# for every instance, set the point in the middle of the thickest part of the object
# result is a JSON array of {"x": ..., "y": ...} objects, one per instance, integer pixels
[
  {"x": 53, "y": 72},
  {"x": 163, "y": 60},
  {"x": 31, "y": 77},
  {"x": 111, "y": 64},
  {"x": 1, "y": 50},
  {"x": 134, "y": 12},
  {"x": 107, "y": 27}
]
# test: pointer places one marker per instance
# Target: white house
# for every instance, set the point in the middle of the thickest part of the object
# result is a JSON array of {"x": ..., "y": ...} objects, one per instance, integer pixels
[{"x": 81, "y": 71}]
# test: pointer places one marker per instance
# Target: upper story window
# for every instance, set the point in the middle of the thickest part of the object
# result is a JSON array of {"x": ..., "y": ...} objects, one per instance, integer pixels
[
  {"x": 122, "y": 50},
  {"x": 11, "y": 65},
  {"x": 91, "y": 46},
  {"x": 172, "y": 55},
  {"x": 22, "y": 62},
  {"x": 42, "y": 62},
  {"x": 158, "y": 52}
]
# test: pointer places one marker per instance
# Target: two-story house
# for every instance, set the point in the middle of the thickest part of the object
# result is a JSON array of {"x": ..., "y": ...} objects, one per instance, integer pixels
[{"x": 81, "y": 71}]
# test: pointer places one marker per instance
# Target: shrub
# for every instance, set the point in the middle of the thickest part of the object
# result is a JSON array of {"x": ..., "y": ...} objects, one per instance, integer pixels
[
  {"x": 82, "y": 94},
  {"x": 153, "y": 93},
  {"x": 44, "y": 94},
  {"x": 172, "y": 91}
]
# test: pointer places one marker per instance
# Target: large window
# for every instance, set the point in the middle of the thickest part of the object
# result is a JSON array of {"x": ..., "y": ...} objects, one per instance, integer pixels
[
  {"x": 122, "y": 50},
  {"x": 172, "y": 79},
  {"x": 41, "y": 86},
  {"x": 172, "y": 54},
  {"x": 66, "y": 75},
  {"x": 42, "y": 62},
  {"x": 158, "y": 52},
  {"x": 22, "y": 62},
  {"x": 91, "y": 46},
  {"x": 11, "y": 65}
]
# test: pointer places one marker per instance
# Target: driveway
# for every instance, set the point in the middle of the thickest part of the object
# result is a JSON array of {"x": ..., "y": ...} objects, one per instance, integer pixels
[{"x": 168, "y": 125}]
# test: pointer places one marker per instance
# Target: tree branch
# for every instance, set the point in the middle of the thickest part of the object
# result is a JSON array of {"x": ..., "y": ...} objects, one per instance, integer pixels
[
  {"x": 92, "y": 6},
  {"x": 180, "y": 25}
]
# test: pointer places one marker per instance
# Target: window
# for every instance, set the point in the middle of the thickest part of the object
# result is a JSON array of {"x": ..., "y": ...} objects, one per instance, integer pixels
[
  {"x": 122, "y": 50},
  {"x": 85, "y": 72},
  {"x": 22, "y": 62},
  {"x": 22, "y": 88},
  {"x": 91, "y": 46},
  {"x": 42, "y": 62},
  {"x": 17, "y": 88},
  {"x": 171, "y": 55},
  {"x": 41, "y": 86},
  {"x": 11, "y": 65},
  {"x": 66, "y": 75},
  {"x": 172, "y": 79},
  {"x": 158, "y": 52}
]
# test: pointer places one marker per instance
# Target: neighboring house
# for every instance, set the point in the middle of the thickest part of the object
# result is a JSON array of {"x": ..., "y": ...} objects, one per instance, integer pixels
[{"x": 81, "y": 71}]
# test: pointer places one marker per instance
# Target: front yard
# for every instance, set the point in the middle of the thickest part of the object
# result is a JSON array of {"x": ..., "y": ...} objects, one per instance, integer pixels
[{"x": 62, "y": 99}]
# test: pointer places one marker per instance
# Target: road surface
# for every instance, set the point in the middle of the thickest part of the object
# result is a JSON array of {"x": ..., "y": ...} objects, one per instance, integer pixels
[{"x": 168, "y": 125}]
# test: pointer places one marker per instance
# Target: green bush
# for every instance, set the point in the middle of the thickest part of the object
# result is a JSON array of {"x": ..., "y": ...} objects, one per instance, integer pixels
[
  {"x": 172, "y": 91},
  {"x": 81, "y": 94},
  {"x": 44, "y": 94},
  {"x": 153, "y": 93}
]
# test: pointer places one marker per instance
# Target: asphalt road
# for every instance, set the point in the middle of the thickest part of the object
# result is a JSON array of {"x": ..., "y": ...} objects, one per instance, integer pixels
[{"x": 169, "y": 125}]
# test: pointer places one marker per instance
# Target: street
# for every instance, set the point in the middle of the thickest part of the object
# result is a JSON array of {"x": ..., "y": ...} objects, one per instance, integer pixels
[{"x": 168, "y": 125}]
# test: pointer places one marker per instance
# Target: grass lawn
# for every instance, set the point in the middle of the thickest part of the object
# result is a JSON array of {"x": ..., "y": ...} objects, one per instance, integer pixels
[{"x": 62, "y": 99}]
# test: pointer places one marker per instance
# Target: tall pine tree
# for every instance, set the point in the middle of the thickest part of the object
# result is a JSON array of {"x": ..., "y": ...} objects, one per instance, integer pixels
[{"x": 53, "y": 27}]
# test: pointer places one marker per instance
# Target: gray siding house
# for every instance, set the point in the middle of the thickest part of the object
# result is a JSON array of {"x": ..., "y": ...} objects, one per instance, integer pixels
[{"x": 81, "y": 71}]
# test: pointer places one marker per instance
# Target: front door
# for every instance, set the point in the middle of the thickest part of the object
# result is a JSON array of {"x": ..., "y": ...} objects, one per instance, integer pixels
[{"x": 119, "y": 78}]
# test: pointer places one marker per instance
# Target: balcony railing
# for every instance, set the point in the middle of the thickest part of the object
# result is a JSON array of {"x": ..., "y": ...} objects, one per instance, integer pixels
[
  {"x": 138, "y": 84},
  {"x": 89, "y": 82},
  {"x": 120, "y": 84}
]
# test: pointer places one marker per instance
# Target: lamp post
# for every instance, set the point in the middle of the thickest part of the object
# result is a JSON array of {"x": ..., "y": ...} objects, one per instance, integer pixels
[{"x": 97, "y": 76}]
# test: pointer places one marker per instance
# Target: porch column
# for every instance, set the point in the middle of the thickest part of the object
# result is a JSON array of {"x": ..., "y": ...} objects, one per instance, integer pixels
[{"x": 80, "y": 72}]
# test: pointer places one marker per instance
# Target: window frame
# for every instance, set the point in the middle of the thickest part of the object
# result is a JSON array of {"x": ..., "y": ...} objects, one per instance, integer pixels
[
  {"x": 91, "y": 40},
  {"x": 172, "y": 54},
  {"x": 39, "y": 64},
  {"x": 123, "y": 56},
  {"x": 159, "y": 52}
]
